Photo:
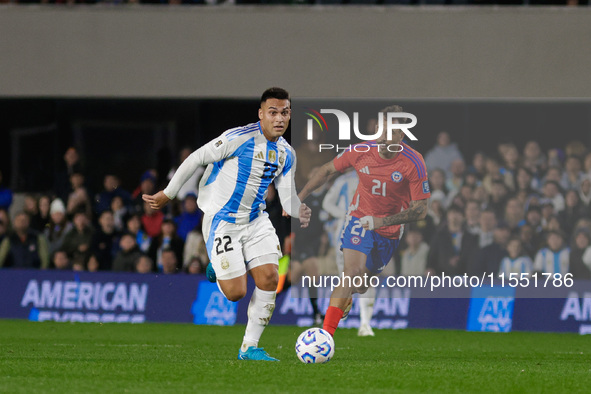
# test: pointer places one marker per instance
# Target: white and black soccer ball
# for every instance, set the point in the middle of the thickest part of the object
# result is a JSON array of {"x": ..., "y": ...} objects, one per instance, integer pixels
[{"x": 315, "y": 346}]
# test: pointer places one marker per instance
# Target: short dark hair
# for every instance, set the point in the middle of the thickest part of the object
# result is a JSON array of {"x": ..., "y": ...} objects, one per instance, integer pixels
[{"x": 275, "y": 93}]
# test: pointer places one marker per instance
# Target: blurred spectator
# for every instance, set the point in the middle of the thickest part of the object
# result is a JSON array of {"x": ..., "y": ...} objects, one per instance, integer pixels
[
  {"x": 191, "y": 186},
  {"x": 510, "y": 157},
  {"x": 5, "y": 195},
  {"x": 413, "y": 259},
  {"x": 493, "y": 173},
  {"x": 195, "y": 248},
  {"x": 40, "y": 221},
  {"x": 479, "y": 194},
  {"x": 580, "y": 255},
  {"x": 443, "y": 154},
  {"x": 134, "y": 226},
  {"x": 575, "y": 148},
  {"x": 24, "y": 247},
  {"x": 555, "y": 257},
  {"x": 472, "y": 214},
  {"x": 190, "y": 216},
  {"x": 530, "y": 241},
  {"x": 4, "y": 224},
  {"x": 452, "y": 248},
  {"x": 548, "y": 212},
  {"x": 147, "y": 186},
  {"x": 498, "y": 199},
  {"x": 111, "y": 189},
  {"x": 572, "y": 212},
  {"x": 71, "y": 165},
  {"x": 552, "y": 192},
  {"x": 587, "y": 164},
  {"x": 478, "y": 166},
  {"x": 516, "y": 261},
  {"x": 58, "y": 225},
  {"x": 534, "y": 159},
  {"x": 60, "y": 260},
  {"x": 169, "y": 262},
  {"x": 437, "y": 182},
  {"x": 129, "y": 253},
  {"x": 120, "y": 212},
  {"x": 487, "y": 222},
  {"x": 585, "y": 193},
  {"x": 455, "y": 180},
  {"x": 523, "y": 181},
  {"x": 571, "y": 178},
  {"x": 488, "y": 259},
  {"x": 144, "y": 264},
  {"x": 555, "y": 157},
  {"x": 78, "y": 199},
  {"x": 152, "y": 221},
  {"x": 167, "y": 240},
  {"x": 31, "y": 208},
  {"x": 436, "y": 211},
  {"x": 513, "y": 214},
  {"x": 105, "y": 241},
  {"x": 77, "y": 240},
  {"x": 196, "y": 266}
]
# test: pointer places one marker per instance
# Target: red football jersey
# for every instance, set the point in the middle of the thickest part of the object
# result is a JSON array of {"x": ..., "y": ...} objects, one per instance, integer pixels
[{"x": 386, "y": 186}]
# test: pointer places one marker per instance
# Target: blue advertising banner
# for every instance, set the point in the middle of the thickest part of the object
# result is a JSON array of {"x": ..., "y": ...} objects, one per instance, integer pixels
[{"x": 127, "y": 297}]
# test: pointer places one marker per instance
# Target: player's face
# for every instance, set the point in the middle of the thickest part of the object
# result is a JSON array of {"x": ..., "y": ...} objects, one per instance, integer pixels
[
  {"x": 274, "y": 115},
  {"x": 397, "y": 134}
]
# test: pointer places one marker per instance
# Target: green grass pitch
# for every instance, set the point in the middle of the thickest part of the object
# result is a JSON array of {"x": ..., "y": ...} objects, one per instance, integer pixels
[{"x": 178, "y": 358}]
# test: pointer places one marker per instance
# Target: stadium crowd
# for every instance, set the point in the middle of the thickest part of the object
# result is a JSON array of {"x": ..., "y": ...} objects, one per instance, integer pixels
[{"x": 520, "y": 210}]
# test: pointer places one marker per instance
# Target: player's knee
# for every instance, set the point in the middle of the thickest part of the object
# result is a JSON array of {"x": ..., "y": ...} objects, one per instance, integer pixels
[
  {"x": 269, "y": 279},
  {"x": 235, "y": 294}
]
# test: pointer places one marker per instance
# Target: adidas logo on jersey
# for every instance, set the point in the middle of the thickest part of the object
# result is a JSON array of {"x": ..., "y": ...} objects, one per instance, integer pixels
[
  {"x": 365, "y": 170},
  {"x": 260, "y": 155}
]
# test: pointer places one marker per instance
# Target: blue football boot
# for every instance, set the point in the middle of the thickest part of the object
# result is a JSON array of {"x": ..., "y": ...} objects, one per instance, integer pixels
[
  {"x": 255, "y": 353},
  {"x": 210, "y": 273}
]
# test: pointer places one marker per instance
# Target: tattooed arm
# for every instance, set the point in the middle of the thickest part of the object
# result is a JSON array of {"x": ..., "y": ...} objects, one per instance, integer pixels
[{"x": 416, "y": 211}]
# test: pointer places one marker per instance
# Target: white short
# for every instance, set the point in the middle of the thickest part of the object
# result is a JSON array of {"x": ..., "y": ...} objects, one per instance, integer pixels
[{"x": 232, "y": 247}]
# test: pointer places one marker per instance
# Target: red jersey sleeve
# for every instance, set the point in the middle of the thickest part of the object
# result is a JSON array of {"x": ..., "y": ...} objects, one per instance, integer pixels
[
  {"x": 343, "y": 161},
  {"x": 419, "y": 182}
]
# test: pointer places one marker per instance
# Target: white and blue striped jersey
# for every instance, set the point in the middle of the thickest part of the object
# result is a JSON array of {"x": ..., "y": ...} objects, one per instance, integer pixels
[
  {"x": 241, "y": 164},
  {"x": 519, "y": 265},
  {"x": 547, "y": 261}
]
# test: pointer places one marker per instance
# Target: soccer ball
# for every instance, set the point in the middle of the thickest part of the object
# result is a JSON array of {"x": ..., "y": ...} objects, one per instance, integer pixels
[{"x": 315, "y": 346}]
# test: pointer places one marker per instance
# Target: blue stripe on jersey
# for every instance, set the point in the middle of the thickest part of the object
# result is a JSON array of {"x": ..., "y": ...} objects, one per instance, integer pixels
[
  {"x": 265, "y": 182},
  {"x": 245, "y": 155},
  {"x": 417, "y": 162},
  {"x": 288, "y": 162},
  {"x": 217, "y": 167},
  {"x": 214, "y": 226},
  {"x": 237, "y": 133}
]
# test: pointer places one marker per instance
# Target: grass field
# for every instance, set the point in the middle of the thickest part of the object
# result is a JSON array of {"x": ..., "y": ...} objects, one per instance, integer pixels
[{"x": 84, "y": 357}]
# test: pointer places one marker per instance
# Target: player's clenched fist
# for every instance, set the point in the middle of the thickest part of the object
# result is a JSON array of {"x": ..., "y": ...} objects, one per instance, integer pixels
[
  {"x": 305, "y": 214},
  {"x": 156, "y": 201}
]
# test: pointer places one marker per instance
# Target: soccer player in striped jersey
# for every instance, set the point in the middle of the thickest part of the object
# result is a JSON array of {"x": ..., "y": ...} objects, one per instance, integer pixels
[
  {"x": 241, "y": 164},
  {"x": 393, "y": 189}
]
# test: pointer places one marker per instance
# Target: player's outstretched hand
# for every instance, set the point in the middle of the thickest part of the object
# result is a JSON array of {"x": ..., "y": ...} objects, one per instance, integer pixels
[
  {"x": 156, "y": 201},
  {"x": 305, "y": 214}
]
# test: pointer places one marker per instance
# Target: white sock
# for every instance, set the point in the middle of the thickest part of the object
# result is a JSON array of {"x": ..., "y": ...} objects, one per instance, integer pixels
[
  {"x": 366, "y": 302},
  {"x": 260, "y": 310}
]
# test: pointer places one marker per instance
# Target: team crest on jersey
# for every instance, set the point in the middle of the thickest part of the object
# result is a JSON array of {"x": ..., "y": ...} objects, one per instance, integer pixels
[
  {"x": 272, "y": 156},
  {"x": 356, "y": 240},
  {"x": 425, "y": 187},
  {"x": 225, "y": 263},
  {"x": 396, "y": 176}
]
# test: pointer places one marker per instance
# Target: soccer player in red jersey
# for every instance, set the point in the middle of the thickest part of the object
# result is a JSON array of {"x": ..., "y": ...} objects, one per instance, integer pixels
[{"x": 393, "y": 189}]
